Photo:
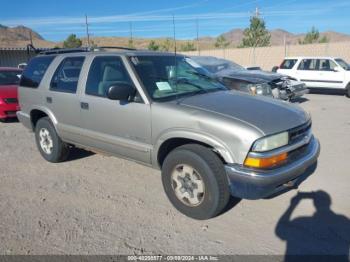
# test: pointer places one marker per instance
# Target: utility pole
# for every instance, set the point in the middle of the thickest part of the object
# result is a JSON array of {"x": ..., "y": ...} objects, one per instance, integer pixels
[
  {"x": 257, "y": 12},
  {"x": 285, "y": 45},
  {"x": 197, "y": 32},
  {"x": 31, "y": 37},
  {"x": 130, "y": 25},
  {"x": 87, "y": 31}
]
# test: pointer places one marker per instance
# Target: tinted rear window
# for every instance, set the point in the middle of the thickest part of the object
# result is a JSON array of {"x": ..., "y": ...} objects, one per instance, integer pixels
[
  {"x": 35, "y": 71},
  {"x": 288, "y": 63}
]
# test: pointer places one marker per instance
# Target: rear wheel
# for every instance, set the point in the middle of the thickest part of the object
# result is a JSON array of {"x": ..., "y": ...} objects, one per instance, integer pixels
[
  {"x": 195, "y": 181},
  {"x": 348, "y": 91},
  {"x": 50, "y": 145}
]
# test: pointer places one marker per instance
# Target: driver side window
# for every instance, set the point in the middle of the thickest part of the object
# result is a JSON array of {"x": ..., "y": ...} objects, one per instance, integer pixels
[{"x": 104, "y": 72}]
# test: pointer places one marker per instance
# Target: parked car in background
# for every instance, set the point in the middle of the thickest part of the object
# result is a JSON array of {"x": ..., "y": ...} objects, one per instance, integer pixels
[
  {"x": 318, "y": 72},
  {"x": 255, "y": 82},
  {"x": 9, "y": 79},
  {"x": 253, "y": 68},
  {"x": 159, "y": 109}
]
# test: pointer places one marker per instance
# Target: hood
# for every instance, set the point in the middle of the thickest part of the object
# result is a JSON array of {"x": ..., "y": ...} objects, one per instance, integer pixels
[
  {"x": 250, "y": 76},
  {"x": 8, "y": 91},
  {"x": 267, "y": 115}
]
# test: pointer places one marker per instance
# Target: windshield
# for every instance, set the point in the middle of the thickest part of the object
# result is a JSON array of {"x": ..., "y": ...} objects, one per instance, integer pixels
[
  {"x": 215, "y": 65},
  {"x": 9, "y": 77},
  {"x": 165, "y": 81},
  {"x": 343, "y": 64}
]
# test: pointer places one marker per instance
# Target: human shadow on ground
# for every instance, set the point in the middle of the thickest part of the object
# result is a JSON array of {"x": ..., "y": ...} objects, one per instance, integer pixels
[{"x": 323, "y": 233}]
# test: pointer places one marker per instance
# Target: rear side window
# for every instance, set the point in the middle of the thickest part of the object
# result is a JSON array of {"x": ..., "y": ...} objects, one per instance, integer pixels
[
  {"x": 67, "y": 75},
  {"x": 288, "y": 63},
  {"x": 35, "y": 71},
  {"x": 308, "y": 64},
  {"x": 104, "y": 72}
]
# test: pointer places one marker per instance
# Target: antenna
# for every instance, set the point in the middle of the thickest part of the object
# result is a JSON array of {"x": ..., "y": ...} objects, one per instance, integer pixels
[
  {"x": 174, "y": 30},
  {"x": 197, "y": 32},
  {"x": 175, "y": 60},
  {"x": 87, "y": 31}
]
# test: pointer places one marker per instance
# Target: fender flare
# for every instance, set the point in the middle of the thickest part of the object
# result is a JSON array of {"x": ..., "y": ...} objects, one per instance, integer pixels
[{"x": 214, "y": 142}]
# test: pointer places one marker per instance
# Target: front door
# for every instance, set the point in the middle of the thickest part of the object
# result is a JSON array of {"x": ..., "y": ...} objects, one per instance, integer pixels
[{"x": 120, "y": 128}]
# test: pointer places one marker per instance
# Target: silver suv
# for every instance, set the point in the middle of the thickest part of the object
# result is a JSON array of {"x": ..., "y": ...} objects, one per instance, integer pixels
[{"x": 159, "y": 109}]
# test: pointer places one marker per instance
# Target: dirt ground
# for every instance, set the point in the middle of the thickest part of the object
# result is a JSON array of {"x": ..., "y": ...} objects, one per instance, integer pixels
[{"x": 93, "y": 204}]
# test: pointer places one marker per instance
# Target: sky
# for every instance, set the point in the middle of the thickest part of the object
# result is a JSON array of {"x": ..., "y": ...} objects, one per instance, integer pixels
[{"x": 54, "y": 20}]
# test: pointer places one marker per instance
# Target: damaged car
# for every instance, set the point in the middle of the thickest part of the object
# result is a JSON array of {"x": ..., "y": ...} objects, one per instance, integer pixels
[{"x": 254, "y": 82}]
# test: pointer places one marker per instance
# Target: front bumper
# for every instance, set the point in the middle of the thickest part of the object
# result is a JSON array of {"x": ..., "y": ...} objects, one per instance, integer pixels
[
  {"x": 255, "y": 184},
  {"x": 8, "y": 110}
]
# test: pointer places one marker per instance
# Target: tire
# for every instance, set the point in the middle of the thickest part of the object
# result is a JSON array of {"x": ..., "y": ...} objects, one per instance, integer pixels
[
  {"x": 211, "y": 194},
  {"x": 50, "y": 145},
  {"x": 348, "y": 91}
]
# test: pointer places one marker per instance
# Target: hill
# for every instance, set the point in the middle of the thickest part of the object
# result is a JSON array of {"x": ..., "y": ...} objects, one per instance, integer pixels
[{"x": 20, "y": 36}]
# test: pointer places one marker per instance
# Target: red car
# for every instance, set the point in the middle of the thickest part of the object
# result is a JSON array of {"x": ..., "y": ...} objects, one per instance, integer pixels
[{"x": 9, "y": 79}]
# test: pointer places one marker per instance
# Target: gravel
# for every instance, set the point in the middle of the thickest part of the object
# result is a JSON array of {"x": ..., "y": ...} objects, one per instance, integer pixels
[{"x": 94, "y": 204}]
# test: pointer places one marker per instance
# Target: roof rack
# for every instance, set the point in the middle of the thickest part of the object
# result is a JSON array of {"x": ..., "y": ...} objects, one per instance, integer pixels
[
  {"x": 55, "y": 51},
  {"x": 64, "y": 51},
  {"x": 116, "y": 47}
]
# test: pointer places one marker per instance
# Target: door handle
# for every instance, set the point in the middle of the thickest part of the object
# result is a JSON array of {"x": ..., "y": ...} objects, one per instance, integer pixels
[
  {"x": 49, "y": 100},
  {"x": 84, "y": 105}
]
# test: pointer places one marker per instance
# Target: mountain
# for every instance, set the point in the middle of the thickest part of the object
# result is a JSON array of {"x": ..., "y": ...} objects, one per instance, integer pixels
[
  {"x": 235, "y": 37},
  {"x": 18, "y": 33},
  {"x": 19, "y": 36}
]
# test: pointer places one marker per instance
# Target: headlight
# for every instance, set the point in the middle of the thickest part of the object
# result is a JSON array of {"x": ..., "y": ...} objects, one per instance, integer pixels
[
  {"x": 271, "y": 142},
  {"x": 259, "y": 89}
]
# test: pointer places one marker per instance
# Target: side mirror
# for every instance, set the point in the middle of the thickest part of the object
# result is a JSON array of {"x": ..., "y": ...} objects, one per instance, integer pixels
[{"x": 121, "y": 91}]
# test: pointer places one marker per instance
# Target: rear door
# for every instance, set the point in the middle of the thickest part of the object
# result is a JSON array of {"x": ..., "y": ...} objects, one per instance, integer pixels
[
  {"x": 62, "y": 98},
  {"x": 327, "y": 76},
  {"x": 120, "y": 128}
]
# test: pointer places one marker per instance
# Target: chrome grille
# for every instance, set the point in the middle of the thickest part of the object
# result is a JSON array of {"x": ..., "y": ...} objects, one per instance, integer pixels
[{"x": 298, "y": 133}]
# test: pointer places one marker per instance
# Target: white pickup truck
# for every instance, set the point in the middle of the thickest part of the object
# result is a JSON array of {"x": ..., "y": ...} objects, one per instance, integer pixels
[{"x": 318, "y": 72}]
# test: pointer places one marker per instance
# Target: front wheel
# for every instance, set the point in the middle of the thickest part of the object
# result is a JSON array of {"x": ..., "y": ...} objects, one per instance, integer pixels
[
  {"x": 50, "y": 145},
  {"x": 348, "y": 91},
  {"x": 195, "y": 181}
]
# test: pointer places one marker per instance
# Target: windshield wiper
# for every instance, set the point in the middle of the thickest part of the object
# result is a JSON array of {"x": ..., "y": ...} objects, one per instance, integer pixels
[{"x": 200, "y": 74}]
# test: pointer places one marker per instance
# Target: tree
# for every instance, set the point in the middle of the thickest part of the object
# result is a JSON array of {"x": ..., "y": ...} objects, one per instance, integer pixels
[
  {"x": 153, "y": 46},
  {"x": 221, "y": 42},
  {"x": 313, "y": 36},
  {"x": 72, "y": 42},
  {"x": 166, "y": 45},
  {"x": 188, "y": 46},
  {"x": 256, "y": 35}
]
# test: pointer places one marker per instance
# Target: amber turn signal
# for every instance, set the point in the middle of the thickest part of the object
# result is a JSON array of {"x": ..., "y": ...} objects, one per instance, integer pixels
[{"x": 265, "y": 162}]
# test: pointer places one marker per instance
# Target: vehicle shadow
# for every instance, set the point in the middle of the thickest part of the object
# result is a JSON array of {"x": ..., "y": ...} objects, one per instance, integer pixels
[
  {"x": 78, "y": 153},
  {"x": 326, "y": 91},
  {"x": 323, "y": 233},
  {"x": 234, "y": 201},
  {"x": 10, "y": 120},
  {"x": 299, "y": 100}
]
